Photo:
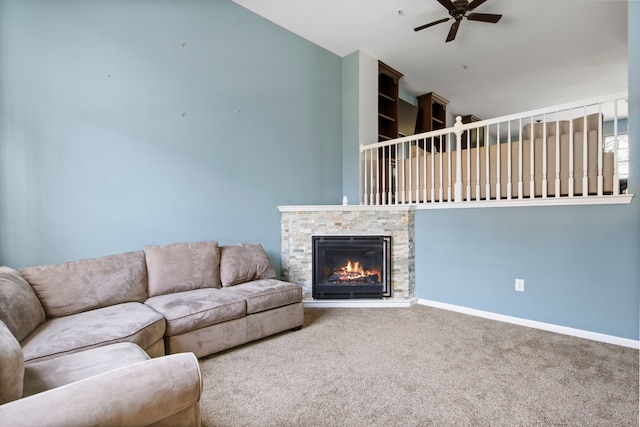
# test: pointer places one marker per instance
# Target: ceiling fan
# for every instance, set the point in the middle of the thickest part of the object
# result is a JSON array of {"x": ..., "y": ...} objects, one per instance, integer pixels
[{"x": 459, "y": 9}]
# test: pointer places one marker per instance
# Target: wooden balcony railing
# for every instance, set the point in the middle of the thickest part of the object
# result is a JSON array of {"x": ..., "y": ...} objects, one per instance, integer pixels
[{"x": 569, "y": 154}]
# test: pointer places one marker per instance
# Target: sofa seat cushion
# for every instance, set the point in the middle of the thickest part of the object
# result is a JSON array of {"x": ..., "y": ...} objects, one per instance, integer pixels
[
  {"x": 128, "y": 322},
  {"x": 51, "y": 373},
  {"x": 265, "y": 294},
  {"x": 198, "y": 308}
]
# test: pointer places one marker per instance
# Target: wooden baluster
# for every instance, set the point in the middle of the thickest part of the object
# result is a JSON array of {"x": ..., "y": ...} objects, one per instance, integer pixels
[
  {"x": 520, "y": 163},
  {"x": 544, "y": 156},
  {"x": 420, "y": 184},
  {"x": 571, "y": 182},
  {"x": 389, "y": 178},
  {"x": 432, "y": 172},
  {"x": 397, "y": 199},
  {"x": 422, "y": 181},
  {"x": 557, "y": 177},
  {"x": 468, "y": 165},
  {"x": 400, "y": 174},
  {"x": 487, "y": 183},
  {"x": 378, "y": 178},
  {"x": 498, "y": 163},
  {"x": 458, "y": 184},
  {"x": 371, "y": 177},
  {"x": 440, "y": 176},
  {"x": 509, "y": 163},
  {"x": 600, "y": 150},
  {"x": 585, "y": 156},
  {"x": 486, "y": 147},
  {"x": 616, "y": 176},
  {"x": 408, "y": 189},
  {"x": 447, "y": 139},
  {"x": 363, "y": 176},
  {"x": 532, "y": 182}
]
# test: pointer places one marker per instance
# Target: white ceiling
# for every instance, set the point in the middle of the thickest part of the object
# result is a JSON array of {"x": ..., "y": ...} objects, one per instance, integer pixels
[{"x": 541, "y": 53}]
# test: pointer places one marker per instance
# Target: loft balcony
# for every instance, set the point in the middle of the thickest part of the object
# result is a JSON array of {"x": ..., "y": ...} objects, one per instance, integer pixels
[{"x": 575, "y": 153}]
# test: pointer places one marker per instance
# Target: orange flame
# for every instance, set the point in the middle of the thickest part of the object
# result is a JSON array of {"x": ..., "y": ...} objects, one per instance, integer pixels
[{"x": 354, "y": 270}]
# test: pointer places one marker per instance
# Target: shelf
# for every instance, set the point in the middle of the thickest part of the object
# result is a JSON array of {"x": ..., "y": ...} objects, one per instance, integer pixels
[
  {"x": 432, "y": 115},
  {"x": 387, "y": 97},
  {"x": 388, "y": 113},
  {"x": 388, "y": 80},
  {"x": 477, "y": 137}
]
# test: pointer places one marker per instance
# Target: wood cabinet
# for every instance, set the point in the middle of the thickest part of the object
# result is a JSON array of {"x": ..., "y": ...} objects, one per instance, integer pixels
[
  {"x": 388, "y": 80},
  {"x": 432, "y": 115},
  {"x": 476, "y": 138},
  {"x": 388, "y": 111}
]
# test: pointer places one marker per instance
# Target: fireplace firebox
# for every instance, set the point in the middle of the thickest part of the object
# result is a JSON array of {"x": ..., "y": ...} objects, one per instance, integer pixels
[{"x": 351, "y": 267}]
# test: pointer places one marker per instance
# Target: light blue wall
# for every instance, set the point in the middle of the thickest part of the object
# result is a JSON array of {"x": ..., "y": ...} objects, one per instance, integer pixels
[
  {"x": 350, "y": 126},
  {"x": 581, "y": 264},
  {"x": 127, "y": 123}
]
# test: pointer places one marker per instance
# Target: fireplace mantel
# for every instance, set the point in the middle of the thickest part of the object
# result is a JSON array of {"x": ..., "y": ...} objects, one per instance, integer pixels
[
  {"x": 344, "y": 208},
  {"x": 300, "y": 223}
]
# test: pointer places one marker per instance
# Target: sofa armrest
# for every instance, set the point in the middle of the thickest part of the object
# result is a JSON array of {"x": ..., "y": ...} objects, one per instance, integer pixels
[{"x": 136, "y": 395}]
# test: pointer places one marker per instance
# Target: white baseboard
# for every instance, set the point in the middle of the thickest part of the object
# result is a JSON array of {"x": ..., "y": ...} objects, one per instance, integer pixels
[
  {"x": 358, "y": 303},
  {"x": 594, "y": 336}
]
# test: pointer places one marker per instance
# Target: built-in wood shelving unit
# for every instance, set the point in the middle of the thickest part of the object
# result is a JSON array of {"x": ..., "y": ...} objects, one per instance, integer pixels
[
  {"x": 432, "y": 115},
  {"x": 388, "y": 80}
]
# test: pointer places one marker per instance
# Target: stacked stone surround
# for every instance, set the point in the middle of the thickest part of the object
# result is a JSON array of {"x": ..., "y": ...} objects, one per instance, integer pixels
[{"x": 299, "y": 223}]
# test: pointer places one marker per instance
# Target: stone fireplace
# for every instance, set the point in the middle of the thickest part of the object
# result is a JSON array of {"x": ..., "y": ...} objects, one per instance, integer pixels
[{"x": 299, "y": 225}]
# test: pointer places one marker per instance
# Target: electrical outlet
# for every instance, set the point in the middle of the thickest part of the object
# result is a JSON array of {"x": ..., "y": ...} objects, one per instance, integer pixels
[{"x": 520, "y": 285}]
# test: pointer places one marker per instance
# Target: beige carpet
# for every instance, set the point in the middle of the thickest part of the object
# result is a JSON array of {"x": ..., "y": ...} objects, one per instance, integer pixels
[{"x": 419, "y": 366}]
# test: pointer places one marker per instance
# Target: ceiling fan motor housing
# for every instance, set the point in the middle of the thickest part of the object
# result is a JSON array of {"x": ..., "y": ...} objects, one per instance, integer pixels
[
  {"x": 461, "y": 9},
  {"x": 461, "y": 5}
]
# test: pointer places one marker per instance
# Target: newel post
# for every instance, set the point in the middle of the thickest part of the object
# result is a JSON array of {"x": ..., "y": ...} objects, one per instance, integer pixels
[{"x": 457, "y": 128}]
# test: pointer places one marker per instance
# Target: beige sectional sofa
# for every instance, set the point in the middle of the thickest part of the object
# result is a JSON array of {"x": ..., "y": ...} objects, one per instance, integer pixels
[
  {"x": 214, "y": 298},
  {"x": 83, "y": 342},
  {"x": 415, "y": 176}
]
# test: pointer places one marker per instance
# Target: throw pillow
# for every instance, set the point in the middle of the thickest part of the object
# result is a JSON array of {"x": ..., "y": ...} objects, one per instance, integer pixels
[{"x": 243, "y": 263}]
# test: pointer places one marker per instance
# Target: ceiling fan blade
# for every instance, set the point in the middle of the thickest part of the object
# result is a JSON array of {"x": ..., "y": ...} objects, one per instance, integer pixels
[
  {"x": 422, "y": 27},
  {"x": 475, "y": 3},
  {"x": 484, "y": 17},
  {"x": 448, "y": 4},
  {"x": 453, "y": 31}
]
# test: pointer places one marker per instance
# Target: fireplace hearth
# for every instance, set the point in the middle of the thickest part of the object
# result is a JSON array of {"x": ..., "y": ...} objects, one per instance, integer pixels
[{"x": 351, "y": 267}]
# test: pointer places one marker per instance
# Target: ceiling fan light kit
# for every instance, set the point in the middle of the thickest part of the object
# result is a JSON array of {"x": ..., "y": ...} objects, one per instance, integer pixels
[{"x": 459, "y": 9}]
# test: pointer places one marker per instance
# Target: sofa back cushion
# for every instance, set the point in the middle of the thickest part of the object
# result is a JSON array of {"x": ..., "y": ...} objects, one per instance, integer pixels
[
  {"x": 78, "y": 286},
  {"x": 244, "y": 263},
  {"x": 11, "y": 366},
  {"x": 182, "y": 267},
  {"x": 20, "y": 309}
]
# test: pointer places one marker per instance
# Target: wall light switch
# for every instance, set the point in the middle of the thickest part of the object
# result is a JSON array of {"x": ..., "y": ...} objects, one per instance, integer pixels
[{"x": 520, "y": 285}]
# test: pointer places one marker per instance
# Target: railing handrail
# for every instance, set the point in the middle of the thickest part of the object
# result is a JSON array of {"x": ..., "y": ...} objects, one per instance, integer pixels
[
  {"x": 556, "y": 151},
  {"x": 502, "y": 119}
]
